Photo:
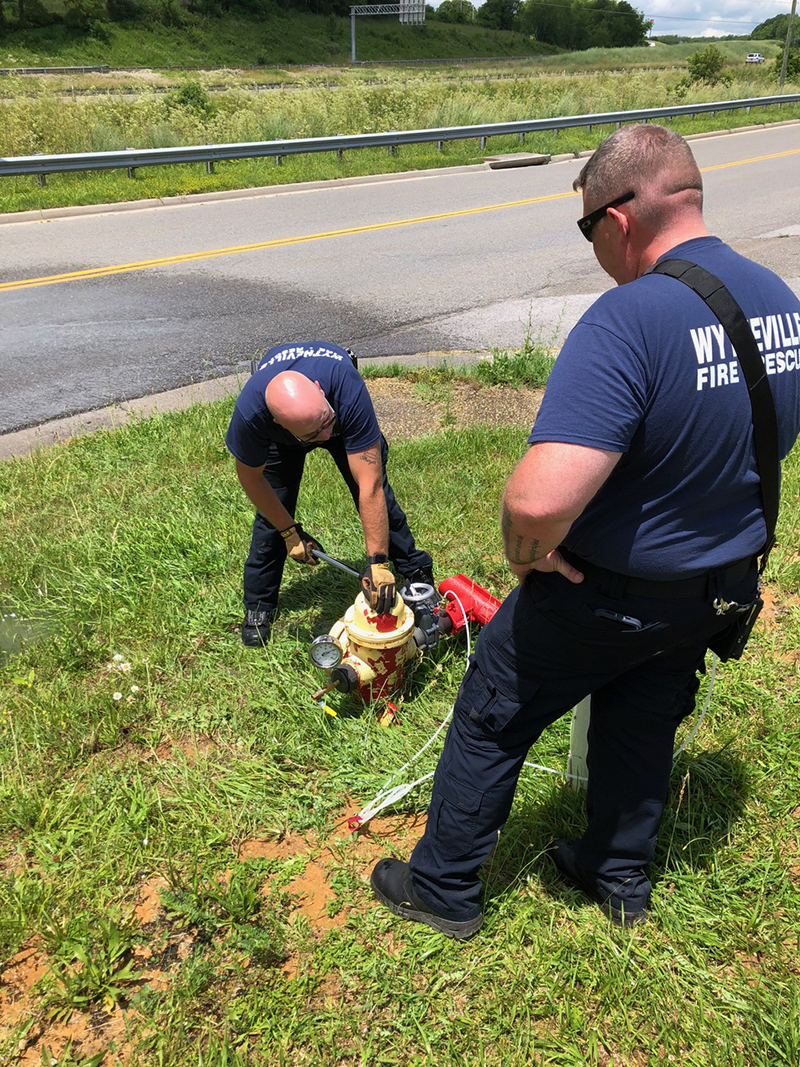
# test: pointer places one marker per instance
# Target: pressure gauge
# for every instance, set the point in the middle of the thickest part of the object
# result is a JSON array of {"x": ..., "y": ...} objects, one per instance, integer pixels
[{"x": 324, "y": 652}]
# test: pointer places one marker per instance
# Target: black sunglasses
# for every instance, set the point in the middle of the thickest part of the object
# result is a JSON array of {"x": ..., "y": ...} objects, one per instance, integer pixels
[
  {"x": 308, "y": 438},
  {"x": 588, "y": 222}
]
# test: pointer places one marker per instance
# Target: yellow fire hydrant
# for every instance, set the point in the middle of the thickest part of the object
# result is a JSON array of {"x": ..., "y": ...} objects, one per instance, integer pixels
[{"x": 365, "y": 653}]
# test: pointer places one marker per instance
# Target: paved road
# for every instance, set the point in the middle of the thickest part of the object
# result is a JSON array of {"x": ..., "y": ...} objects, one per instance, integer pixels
[{"x": 438, "y": 261}]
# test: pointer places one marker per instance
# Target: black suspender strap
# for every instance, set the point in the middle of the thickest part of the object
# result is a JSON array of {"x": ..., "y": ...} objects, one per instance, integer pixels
[{"x": 765, "y": 423}]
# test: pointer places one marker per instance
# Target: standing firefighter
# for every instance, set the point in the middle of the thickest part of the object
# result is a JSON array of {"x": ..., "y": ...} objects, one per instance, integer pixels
[
  {"x": 633, "y": 523},
  {"x": 304, "y": 396}
]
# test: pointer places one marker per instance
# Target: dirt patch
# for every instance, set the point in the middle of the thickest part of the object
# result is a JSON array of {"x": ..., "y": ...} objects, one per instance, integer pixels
[
  {"x": 148, "y": 906},
  {"x": 406, "y": 410},
  {"x": 776, "y": 606},
  {"x": 20, "y": 1011},
  {"x": 311, "y": 892}
]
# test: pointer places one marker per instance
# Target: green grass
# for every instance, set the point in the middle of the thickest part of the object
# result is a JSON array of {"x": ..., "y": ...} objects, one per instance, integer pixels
[{"x": 129, "y": 544}]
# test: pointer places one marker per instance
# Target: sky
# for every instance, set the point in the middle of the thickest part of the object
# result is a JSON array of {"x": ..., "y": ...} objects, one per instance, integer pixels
[
  {"x": 709, "y": 18},
  {"x": 704, "y": 18}
]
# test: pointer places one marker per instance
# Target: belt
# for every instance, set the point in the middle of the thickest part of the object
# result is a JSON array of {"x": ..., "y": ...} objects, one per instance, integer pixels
[{"x": 679, "y": 589}]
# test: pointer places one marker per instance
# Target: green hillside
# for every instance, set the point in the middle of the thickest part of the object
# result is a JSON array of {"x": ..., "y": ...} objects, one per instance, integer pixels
[{"x": 279, "y": 38}]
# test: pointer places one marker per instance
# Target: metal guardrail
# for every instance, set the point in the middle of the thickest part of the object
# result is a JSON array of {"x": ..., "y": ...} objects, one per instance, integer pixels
[
  {"x": 55, "y": 70},
  {"x": 131, "y": 158}
]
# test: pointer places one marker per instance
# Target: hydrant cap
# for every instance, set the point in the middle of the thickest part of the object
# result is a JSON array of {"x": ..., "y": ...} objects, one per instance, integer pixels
[{"x": 382, "y": 631}]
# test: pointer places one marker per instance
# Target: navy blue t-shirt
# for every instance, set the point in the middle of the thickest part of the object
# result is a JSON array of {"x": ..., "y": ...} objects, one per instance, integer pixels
[
  {"x": 648, "y": 371},
  {"x": 252, "y": 430}
]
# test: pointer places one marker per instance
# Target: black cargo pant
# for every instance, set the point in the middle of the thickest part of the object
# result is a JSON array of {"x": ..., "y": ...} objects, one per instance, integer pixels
[
  {"x": 263, "y": 568},
  {"x": 544, "y": 651}
]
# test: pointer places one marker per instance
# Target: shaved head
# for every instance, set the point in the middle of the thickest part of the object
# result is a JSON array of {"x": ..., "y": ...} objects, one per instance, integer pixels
[
  {"x": 297, "y": 403},
  {"x": 651, "y": 161}
]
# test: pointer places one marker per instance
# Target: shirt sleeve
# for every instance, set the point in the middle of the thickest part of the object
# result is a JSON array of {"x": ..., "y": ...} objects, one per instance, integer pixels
[
  {"x": 359, "y": 424},
  {"x": 243, "y": 443},
  {"x": 596, "y": 394}
]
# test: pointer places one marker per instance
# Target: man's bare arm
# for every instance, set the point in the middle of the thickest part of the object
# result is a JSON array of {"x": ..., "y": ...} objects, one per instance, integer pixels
[
  {"x": 262, "y": 495},
  {"x": 367, "y": 469},
  {"x": 550, "y": 488}
]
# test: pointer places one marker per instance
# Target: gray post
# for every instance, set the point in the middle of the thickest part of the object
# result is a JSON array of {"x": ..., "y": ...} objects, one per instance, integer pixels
[
  {"x": 788, "y": 42},
  {"x": 579, "y": 744},
  {"x": 352, "y": 36}
]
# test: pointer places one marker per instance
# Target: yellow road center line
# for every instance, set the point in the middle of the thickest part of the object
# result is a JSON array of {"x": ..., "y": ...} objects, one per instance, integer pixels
[
  {"x": 754, "y": 159},
  {"x": 189, "y": 257},
  {"x": 282, "y": 242}
]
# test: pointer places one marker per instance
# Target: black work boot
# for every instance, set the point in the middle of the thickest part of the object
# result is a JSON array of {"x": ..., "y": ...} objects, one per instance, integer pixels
[
  {"x": 393, "y": 886},
  {"x": 621, "y": 912},
  {"x": 256, "y": 627}
]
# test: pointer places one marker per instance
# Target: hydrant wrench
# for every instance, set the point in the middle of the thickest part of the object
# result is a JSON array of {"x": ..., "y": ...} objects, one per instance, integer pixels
[{"x": 336, "y": 563}]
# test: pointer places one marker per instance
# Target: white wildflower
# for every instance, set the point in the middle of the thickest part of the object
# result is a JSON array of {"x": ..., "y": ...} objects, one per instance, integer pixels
[
  {"x": 134, "y": 688},
  {"x": 117, "y": 696},
  {"x": 117, "y": 657}
]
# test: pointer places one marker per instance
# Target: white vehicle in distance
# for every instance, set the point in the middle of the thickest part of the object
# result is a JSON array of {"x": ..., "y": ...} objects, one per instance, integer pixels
[{"x": 755, "y": 57}]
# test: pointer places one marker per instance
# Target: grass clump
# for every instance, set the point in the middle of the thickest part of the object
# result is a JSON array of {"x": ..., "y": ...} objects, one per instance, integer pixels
[{"x": 528, "y": 366}]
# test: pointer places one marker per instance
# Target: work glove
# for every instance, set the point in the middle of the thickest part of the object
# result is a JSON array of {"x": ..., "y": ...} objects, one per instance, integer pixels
[
  {"x": 299, "y": 544},
  {"x": 378, "y": 584}
]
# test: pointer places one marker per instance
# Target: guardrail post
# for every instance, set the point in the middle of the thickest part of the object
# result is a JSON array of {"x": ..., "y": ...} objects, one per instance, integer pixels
[
  {"x": 339, "y": 154},
  {"x": 278, "y": 160},
  {"x": 522, "y": 138},
  {"x": 131, "y": 172},
  {"x": 483, "y": 143},
  {"x": 209, "y": 166},
  {"x": 392, "y": 149},
  {"x": 440, "y": 145},
  {"x": 42, "y": 179}
]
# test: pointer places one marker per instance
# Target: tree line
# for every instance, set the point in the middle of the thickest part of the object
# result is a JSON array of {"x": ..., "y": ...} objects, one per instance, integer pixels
[{"x": 568, "y": 24}]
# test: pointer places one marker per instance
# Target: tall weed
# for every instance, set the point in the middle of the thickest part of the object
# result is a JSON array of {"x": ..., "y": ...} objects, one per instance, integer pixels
[{"x": 53, "y": 123}]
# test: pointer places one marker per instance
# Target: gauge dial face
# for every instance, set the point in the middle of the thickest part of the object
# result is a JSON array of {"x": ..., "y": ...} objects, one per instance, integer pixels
[{"x": 325, "y": 652}]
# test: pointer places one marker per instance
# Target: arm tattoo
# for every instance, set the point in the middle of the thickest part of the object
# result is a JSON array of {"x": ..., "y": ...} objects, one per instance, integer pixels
[
  {"x": 517, "y": 556},
  {"x": 370, "y": 457},
  {"x": 515, "y": 551},
  {"x": 505, "y": 523}
]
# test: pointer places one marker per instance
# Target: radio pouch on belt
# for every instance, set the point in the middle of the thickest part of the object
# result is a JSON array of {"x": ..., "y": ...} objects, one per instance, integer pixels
[{"x": 730, "y": 642}]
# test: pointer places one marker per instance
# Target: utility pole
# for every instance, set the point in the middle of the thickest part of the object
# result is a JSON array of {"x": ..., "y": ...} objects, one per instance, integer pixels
[{"x": 788, "y": 43}]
